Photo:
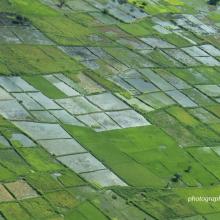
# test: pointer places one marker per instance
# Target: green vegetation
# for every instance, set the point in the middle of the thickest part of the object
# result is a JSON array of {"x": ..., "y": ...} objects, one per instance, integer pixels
[
  {"x": 27, "y": 59},
  {"x": 45, "y": 87}
]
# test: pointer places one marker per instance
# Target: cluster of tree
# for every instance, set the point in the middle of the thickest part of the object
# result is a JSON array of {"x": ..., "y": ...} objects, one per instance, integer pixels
[
  {"x": 213, "y": 2},
  {"x": 61, "y": 3},
  {"x": 122, "y": 1},
  {"x": 20, "y": 20}
]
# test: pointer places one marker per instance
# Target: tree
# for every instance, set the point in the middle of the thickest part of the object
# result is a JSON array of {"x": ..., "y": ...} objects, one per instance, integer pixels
[
  {"x": 61, "y": 3},
  {"x": 176, "y": 177},
  {"x": 122, "y": 1},
  {"x": 213, "y": 2},
  {"x": 20, "y": 20},
  {"x": 188, "y": 169}
]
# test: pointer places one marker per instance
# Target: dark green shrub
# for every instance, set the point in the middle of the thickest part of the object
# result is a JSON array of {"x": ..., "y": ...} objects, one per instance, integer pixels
[{"x": 213, "y": 2}]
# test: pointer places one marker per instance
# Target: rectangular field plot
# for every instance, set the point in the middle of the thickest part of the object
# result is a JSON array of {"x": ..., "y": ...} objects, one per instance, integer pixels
[
  {"x": 4, "y": 142},
  {"x": 62, "y": 146},
  {"x": 195, "y": 51},
  {"x": 12, "y": 110},
  {"x": 156, "y": 42},
  {"x": 66, "y": 89},
  {"x": 213, "y": 51},
  {"x": 81, "y": 163},
  {"x": 22, "y": 140},
  {"x": 204, "y": 116},
  {"x": 66, "y": 118},
  {"x": 128, "y": 118},
  {"x": 44, "y": 100},
  {"x": 198, "y": 97},
  {"x": 208, "y": 158},
  {"x": 99, "y": 121},
  {"x": 170, "y": 125},
  {"x": 210, "y": 90},
  {"x": 180, "y": 98},
  {"x": 103, "y": 178},
  {"x": 40, "y": 131},
  {"x": 157, "y": 99},
  {"x": 5, "y": 196},
  {"x": 142, "y": 86},
  {"x": 181, "y": 57},
  {"x": 215, "y": 109},
  {"x": 12, "y": 33},
  {"x": 4, "y": 95},
  {"x": 43, "y": 85},
  {"x": 79, "y": 53},
  {"x": 157, "y": 80},
  {"x": 8, "y": 84},
  {"x": 27, "y": 101},
  {"x": 183, "y": 116},
  {"x": 107, "y": 102},
  {"x": 30, "y": 35},
  {"x": 21, "y": 190},
  {"x": 22, "y": 84},
  {"x": 209, "y": 61},
  {"x": 7, "y": 36},
  {"x": 135, "y": 102},
  {"x": 173, "y": 80},
  {"x": 43, "y": 116},
  {"x": 131, "y": 171},
  {"x": 77, "y": 105}
]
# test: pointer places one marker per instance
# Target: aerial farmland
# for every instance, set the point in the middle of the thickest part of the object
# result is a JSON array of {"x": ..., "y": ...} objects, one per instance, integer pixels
[{"x": 109, "y": 110}]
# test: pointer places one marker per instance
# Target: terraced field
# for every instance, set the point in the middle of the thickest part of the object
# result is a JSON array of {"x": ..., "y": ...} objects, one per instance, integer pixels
[{"x": 109, "y": 110}]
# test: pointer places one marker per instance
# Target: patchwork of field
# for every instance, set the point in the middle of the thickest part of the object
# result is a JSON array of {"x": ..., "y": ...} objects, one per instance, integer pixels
[{"x": 109, "y": 109}]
